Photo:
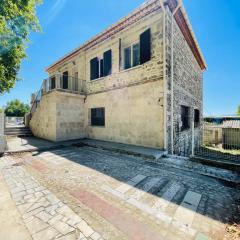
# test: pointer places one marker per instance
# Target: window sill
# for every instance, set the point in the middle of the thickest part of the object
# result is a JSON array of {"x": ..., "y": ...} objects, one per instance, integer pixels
[
  {"x": 99, "y": 79},
  {"x": 185, "y": 130},
  {"x": 129, "y": 69},
  {"x": 96, "y": 126}
]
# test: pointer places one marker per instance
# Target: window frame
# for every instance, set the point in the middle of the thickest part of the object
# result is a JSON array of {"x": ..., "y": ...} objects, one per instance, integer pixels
[
  {"x": 132, "y": 55},
  {"x": 93, "y": 122}
]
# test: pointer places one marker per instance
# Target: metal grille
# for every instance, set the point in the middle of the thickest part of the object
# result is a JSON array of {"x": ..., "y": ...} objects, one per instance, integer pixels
[{"x": 219, "y": 141}]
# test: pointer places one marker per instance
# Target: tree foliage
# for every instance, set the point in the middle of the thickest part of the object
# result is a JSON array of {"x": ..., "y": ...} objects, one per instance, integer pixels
[
  {"x": 17, "y": 20},
  {"x": 238, "y": 111},
  {"x": 16, "y": 108}
]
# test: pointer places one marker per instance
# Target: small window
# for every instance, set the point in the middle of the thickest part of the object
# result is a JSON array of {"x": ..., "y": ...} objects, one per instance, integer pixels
[
  {"x": 196, "y": 117},
  {"x": 53, "y": 83},
  {"x": 98, "y": 117},
  {"x": 185, "y": 117}
]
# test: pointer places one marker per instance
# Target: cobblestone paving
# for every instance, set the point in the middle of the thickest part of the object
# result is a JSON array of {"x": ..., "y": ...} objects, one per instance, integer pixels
[
  {"x": 125, "y": 197},
  {"x": 45, "y": 216}
]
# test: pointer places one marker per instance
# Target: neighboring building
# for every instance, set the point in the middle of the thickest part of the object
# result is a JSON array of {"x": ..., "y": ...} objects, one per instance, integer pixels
[
  {"x": 220, "y": 120},
  {"x": 138, "y": 82},
  {"x": 231, "y": 134}
]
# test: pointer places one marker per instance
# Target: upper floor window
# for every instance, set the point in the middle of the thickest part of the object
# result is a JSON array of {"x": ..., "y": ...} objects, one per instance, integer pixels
[
  {"x": 185, "y": 117},
  {"x": 139, "y": 52},
  {"x": 131, "y": 56},
  {"x": 101, "y": 67},
  {"x": 53, "y": 83}
]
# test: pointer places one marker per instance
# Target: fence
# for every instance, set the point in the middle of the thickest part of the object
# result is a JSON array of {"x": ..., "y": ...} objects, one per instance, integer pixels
[{"x": 219, "y": 141}]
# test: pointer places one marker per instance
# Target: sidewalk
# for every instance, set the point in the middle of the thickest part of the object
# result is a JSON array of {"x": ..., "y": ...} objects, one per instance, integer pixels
[{"x": 12, "y": 226}]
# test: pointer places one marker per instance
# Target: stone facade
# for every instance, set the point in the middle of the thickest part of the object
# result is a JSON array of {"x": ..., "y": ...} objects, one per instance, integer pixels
[
  {"x": 134, "y": 99},
  {"x": 59, "y": 116},
  {"x": 187, "y": 89}
]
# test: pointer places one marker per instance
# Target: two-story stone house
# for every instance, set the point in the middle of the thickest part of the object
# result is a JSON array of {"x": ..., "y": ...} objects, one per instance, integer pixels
[{"x": 138, "y": 82}]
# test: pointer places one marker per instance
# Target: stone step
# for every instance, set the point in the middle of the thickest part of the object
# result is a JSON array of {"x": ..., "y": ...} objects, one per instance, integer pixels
[{"x": 21, "y": 131}]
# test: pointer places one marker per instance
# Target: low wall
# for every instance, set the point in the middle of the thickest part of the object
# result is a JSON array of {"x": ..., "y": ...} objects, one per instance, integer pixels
[
  {"x": 2, "y": 137},
  {"x": 59, "y": 117}
]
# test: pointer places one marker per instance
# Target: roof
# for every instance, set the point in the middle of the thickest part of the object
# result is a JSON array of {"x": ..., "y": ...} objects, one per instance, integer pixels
[
  {"x": 231, "y": 124},
  {"x": 145, "y": 9}
]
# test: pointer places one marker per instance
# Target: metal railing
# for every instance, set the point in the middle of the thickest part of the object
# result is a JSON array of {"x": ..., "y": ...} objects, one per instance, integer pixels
[
  {"x": 58, "y": 82},
  {"x": 218, "y": 142}
]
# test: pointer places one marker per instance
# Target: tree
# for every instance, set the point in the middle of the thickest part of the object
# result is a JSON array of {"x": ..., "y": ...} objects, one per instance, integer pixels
[
  {"x": 16, "y": 108},
  {"x": 17, "y": 20},
  {"x": 238, "y": 111}
]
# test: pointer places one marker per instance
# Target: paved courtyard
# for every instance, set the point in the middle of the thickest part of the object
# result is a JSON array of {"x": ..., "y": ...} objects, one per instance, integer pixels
[{"x": 89, "y": 193}]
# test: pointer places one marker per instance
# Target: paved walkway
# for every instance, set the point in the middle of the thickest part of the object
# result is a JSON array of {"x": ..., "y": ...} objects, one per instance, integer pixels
[
  {"x": 45, "y": 216},
  {"x": 90, "y": 193}
]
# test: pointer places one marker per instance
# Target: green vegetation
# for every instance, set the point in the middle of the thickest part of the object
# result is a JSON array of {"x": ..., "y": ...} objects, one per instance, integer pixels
[
  {"x": 221, "y": 150},
  {"x": 16, "y": 108},
  {"x": 17, "y": 19},
  {"x": 238, "y": 111}
]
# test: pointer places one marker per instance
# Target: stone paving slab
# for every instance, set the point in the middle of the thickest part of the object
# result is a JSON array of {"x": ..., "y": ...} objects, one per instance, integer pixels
[{"x": 45, "y": 216}]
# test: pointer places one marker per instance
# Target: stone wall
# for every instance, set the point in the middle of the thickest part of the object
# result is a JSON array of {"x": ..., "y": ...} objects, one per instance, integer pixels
[
  {"x": 188, "y": 81},
  {"x": 2, "y": 137},
  {"x": 60, "y": 116},
  {"x": 133, "y": 115}
]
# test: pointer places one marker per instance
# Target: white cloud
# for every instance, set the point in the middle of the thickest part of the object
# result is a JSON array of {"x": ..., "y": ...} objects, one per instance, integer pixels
[{"x": 55, "y": 10}]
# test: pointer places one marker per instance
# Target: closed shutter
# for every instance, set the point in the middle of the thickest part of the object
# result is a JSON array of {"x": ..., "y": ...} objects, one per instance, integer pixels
[
  {"x": 145, "y": 46},
  {"x": 120, "y": 53},
  {"x": 101, "y": 68},
  {"x": 107, "y": 63},
  {"x": 94, "y": 68}
]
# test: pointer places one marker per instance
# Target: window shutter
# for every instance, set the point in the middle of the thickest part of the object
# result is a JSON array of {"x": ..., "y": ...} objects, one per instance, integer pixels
[
  {"x": 120, "y": 53},
  {"x": 107, "y": 63},
  {"x": 94, "y": 68},
  {"x": 145, "y": 46}
]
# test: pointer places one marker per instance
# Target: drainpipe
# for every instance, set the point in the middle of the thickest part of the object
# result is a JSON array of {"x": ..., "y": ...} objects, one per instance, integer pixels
[
  {"x": 164, "y": 75},
  {"x": 172, "y": 77}
]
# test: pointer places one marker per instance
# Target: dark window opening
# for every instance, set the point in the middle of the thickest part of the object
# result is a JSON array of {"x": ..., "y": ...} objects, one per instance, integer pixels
[
  {"x": 196, "y": 117},
  {"x": 65, "y": 80},
  {"x": 145, "y": 46},
  {"x": 185, "y": 118},
  {"x": 53, "y": 83},
  {"x": 98, "y": 116}
]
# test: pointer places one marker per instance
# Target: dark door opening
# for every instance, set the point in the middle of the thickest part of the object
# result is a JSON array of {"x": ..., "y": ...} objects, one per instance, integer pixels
[{"x": 65, "y": 80}]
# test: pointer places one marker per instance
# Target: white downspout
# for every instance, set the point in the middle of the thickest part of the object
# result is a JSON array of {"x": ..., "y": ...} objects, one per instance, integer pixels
[
  {"x": 164, "y": 75},
  {"x": 172, "y": 78}
]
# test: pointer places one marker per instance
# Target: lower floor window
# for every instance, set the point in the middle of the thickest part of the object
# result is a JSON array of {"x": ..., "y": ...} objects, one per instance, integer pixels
[
  {"x": 196, "y": 117},
  {"x": 98, "y": 117},
  {"x": 185, "y": 117}
]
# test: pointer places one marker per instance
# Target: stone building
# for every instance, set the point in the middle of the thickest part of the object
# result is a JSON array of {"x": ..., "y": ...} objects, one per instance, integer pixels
[{"x": 138, "y": 82}]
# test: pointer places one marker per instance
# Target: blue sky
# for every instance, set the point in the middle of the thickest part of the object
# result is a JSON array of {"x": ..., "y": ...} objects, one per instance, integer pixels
[{"x": 68, "y": 23}]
